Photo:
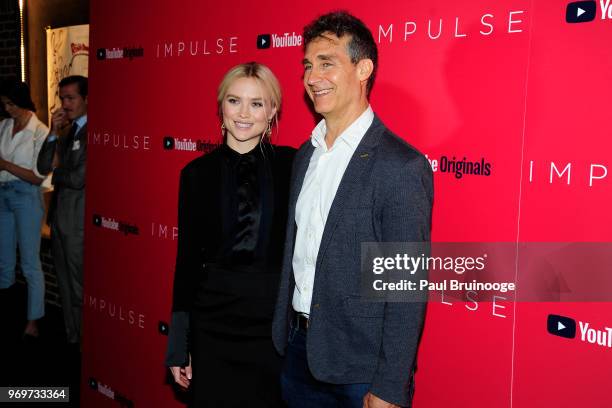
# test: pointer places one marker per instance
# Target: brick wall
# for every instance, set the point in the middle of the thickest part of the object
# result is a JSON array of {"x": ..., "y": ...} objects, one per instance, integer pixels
[
  {"x": 9, "y": 39},
  {"x": 52, "y": 292}
]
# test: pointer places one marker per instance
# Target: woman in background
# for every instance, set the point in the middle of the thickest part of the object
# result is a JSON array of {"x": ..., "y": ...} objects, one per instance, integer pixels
[
  {"x": 232, "y": 216},
  {"x": 21, "y": 206}
]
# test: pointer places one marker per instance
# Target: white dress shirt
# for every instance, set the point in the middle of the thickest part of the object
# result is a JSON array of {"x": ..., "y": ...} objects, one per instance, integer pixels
[
  {"x": 21, "y": 149},
  {"x": 321, "y": 182},
  {"x": 81, "y": 121}
]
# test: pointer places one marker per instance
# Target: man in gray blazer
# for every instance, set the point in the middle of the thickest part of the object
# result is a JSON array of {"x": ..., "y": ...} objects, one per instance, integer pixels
[
  {"x": 353, "y": 182},
  {"x": 64, "y": 153}
]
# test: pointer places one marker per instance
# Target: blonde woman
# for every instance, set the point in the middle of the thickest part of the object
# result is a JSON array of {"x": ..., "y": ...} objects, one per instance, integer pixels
[{"x": 232, "y": 217}]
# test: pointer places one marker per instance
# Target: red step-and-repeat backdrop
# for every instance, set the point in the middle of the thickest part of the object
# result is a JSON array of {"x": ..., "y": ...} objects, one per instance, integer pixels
[{"x": 509, "y": 84}]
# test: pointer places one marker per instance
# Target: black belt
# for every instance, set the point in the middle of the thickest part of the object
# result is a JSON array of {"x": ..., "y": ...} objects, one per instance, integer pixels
[{"x": 300, "y": 321}]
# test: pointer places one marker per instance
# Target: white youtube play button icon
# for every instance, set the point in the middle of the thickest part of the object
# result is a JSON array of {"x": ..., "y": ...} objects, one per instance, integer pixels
[
  {"x": 562, "y": 326},
  {"x": 263, "y": 41},
  {"x": 581, "y": 11}
]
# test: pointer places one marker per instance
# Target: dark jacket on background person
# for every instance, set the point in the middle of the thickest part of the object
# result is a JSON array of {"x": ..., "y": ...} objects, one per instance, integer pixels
[{"x": 67, "y": 206}]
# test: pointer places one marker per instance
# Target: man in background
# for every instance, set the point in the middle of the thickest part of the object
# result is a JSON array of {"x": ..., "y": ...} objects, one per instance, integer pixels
[{"x": 64, "y": 154}]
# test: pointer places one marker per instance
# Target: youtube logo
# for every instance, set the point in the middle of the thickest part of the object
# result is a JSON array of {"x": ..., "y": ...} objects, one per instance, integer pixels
[
  {"x": 168, "y": 143},
  {"x": 264, "y": 41},
  {"x": 101, "y": 53},
  {"x": 580, "y": 11},
  {"x": 561, "y": 326}
]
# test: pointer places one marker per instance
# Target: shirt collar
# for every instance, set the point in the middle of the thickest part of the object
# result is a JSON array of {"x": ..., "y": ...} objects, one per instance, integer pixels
[
  {"x": 352, "y": 135},
  {"x": 32, "y": 123},
  {"x": 253, "y": 155},
  {"x": 81, "y": 121}
]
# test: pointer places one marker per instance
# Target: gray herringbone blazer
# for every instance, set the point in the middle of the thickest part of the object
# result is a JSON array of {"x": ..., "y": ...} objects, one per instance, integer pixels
[{"x": 67, "y": 207}]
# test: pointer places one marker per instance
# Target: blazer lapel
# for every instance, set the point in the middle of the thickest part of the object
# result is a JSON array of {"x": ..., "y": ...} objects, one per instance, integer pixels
[
  {"x": 300, "y": 173},
  {"x": 82, "y": 133},
  {"x": 350, "y": 182}
]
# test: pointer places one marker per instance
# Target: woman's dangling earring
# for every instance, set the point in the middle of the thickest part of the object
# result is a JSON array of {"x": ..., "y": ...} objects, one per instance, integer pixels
[
  {"x": 269, "y": 129},
  {"x": 222, "y": 130}
]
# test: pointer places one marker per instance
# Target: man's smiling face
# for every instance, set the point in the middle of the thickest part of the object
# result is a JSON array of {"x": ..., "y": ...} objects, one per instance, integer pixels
[{"x": 330, "y": 78}]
